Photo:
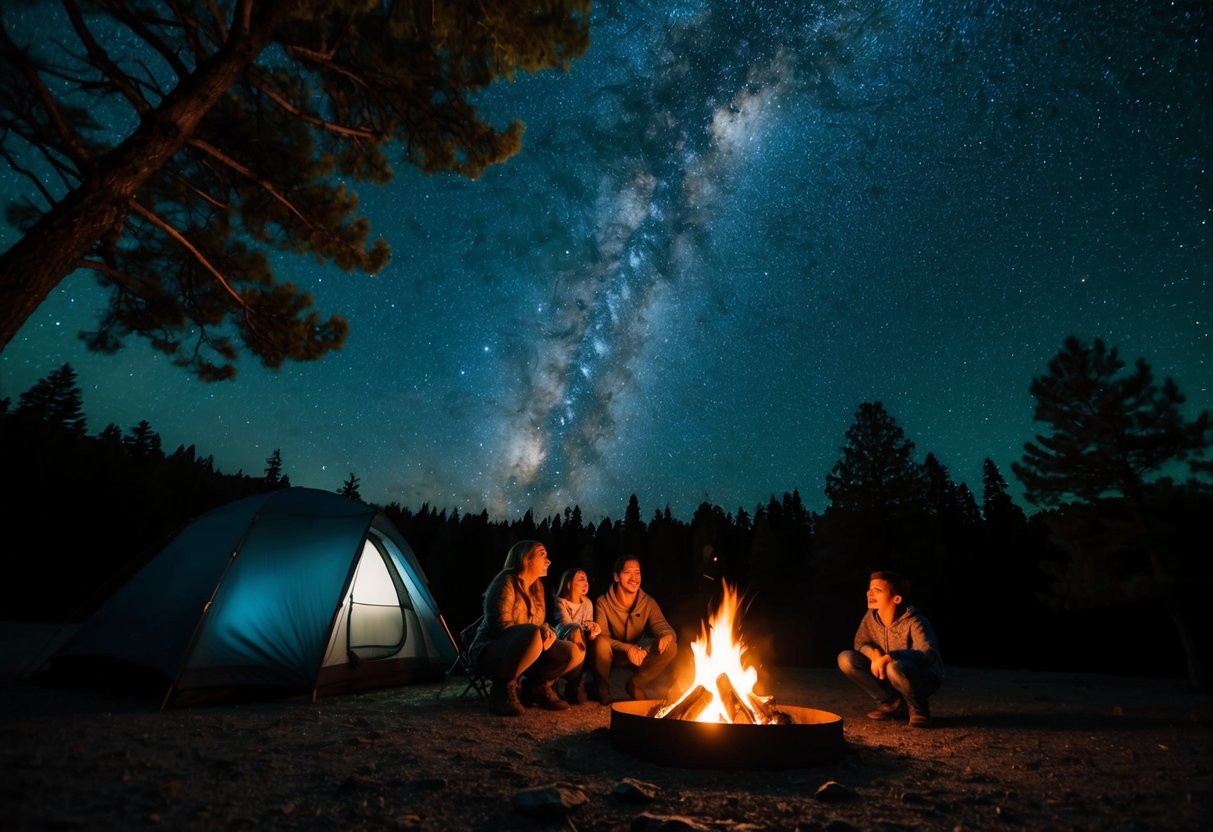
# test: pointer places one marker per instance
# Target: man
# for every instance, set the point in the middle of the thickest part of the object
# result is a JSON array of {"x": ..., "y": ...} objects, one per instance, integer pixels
[
  {"x": 634, "y": 634},
  {"x": 896, "y": 659}
]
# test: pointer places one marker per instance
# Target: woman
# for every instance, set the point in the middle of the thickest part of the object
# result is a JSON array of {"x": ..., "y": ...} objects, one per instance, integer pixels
[
  {"x": 574, "y": 615},
  {"x": 514, "y": 637}
]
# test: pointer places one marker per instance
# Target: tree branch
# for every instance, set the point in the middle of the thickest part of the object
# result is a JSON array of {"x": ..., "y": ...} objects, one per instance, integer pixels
[
  {"x": 332, "y": 127},
  {"x": 73, "y": 145},
  {"x": 99, "y": 58},
  {"x": 120, "y": 11},
  {"x": 206, "y": 264},
  {"x": 264, "y": 184}
]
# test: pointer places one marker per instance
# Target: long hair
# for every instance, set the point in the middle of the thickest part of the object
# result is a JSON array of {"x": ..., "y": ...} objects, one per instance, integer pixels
[
  {"x": 566, "y": 582},
  {"x": 514, "y": 557},
  {"x": 513, "y": 563}
]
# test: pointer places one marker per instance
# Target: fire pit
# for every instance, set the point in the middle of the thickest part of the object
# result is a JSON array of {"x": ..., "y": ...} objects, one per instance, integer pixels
[{"x": 720, "y": 721}]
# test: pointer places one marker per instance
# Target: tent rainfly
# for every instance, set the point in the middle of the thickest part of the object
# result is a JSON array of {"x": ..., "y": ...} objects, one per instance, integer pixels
[{"x": 292, "y": 591}]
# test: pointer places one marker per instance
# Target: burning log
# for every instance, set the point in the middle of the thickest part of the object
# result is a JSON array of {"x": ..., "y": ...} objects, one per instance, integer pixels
[
  {"x": 738, "y": 711},
  {"x": 766, "y": 710},
  {"x": 690, "y": 706}
]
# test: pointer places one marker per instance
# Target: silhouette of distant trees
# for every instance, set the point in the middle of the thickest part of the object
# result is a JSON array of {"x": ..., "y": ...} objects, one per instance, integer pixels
[{"x": 1003, "y": 588}]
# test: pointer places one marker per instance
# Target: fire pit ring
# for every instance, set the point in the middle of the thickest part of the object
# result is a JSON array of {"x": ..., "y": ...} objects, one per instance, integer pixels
[{"x": 812, "y": 738}]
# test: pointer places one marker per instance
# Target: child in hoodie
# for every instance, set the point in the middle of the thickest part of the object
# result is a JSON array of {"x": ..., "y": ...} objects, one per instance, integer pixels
[{"x": 896, "y": 659}]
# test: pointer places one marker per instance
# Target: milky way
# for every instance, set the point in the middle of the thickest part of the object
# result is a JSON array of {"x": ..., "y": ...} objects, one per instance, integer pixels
[{"x": 729, "y": 225}]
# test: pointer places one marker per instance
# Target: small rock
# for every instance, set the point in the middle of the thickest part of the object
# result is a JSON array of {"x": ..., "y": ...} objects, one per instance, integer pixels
[
  {"x": 630, "y": 790},
  {"x": 832, "y": 791},
  {"x": 665, "y": 823},
  {"x": 551, "y": 802}
]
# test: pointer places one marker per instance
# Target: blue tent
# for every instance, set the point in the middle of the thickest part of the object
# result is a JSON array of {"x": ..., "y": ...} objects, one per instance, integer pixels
[{"x": 297, "y": 590}]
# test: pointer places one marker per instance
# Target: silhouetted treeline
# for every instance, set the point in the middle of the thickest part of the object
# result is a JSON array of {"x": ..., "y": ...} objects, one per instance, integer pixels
[{"x": 1071, "y": 588}]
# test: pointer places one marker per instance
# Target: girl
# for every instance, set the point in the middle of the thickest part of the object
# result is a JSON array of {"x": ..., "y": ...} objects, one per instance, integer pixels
[{"x": 574, "y": 614}]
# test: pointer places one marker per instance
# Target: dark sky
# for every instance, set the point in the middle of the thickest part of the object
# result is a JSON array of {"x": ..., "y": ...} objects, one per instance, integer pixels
[{"x": 729, "y": 225}]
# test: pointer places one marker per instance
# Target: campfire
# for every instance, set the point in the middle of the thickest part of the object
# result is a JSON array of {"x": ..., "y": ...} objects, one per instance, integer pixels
[
  {"x": 723, "y": 689},
  {"x": 721, "y": 721}
]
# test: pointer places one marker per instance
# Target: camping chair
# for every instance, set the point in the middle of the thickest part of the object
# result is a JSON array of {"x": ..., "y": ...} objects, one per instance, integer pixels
[{"x": 463, "y": 666}]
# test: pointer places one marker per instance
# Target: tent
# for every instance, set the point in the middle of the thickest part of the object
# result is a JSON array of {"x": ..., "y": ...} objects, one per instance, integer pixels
[{"x": 296, "y": 590}]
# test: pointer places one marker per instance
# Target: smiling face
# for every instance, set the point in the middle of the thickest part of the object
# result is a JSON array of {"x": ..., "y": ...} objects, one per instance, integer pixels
[{"x": 628, "y": 578}]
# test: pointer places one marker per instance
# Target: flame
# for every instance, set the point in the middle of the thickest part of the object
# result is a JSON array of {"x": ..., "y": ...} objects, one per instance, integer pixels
[{"x": 719, "y": 650}]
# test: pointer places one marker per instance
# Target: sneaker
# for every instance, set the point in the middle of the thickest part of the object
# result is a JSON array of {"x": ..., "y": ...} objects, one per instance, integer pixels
[
  {"x": 504, "y": 701},
  {"x": 635, "y": 691},
  {"x": 544, "y": 695},
  {"x": 885, "y": 710}
]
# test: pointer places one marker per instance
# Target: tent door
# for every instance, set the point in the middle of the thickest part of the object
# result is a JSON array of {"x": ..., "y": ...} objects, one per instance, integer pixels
[{"x": 376, "y": 626}]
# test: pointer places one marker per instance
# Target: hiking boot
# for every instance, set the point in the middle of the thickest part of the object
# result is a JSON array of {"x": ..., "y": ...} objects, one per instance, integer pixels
[
  {"x": 886, "y": 710},
  {"x": 920, "y": 717},
  {"x": 544, "y": 695},
  {"x": 602, "y": 693},
  {"x": 635, "y": 691},
  {"x": 574, "y": 691},
  {"x": 503, "y": 699}
]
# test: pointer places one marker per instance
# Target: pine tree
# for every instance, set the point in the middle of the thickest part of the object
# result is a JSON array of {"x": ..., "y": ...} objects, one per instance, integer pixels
[
  {"x": 1111, "y": 429},
  {"x": 877, "y": 473},
  {"x": 247, "y": 121},
  {"x": 273, "y": 469},
  {"x": 142, "y": 442},
  {"x": 940, "y": 489},
  {"x": 997, "y": 508},
  {"x": 55, "y": 400},
  {"x": 350, "y": 488}
]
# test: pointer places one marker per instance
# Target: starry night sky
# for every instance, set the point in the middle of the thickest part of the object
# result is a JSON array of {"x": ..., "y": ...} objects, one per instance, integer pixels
[{"x": 729, "y": 225}]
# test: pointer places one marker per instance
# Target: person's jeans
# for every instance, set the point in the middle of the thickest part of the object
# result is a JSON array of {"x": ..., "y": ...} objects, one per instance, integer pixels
[
  {"x": 520, "y": 649},
  {"x": 644, "y": 676},
  {"x": 902, "y": 678}
]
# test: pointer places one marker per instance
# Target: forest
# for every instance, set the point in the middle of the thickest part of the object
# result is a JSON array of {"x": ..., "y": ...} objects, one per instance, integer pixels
[{"x": 1096, "y": 578}]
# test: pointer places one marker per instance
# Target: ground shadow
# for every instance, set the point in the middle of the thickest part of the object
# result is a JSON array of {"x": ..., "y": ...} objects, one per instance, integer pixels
[{"x": 1060, "y": 722}]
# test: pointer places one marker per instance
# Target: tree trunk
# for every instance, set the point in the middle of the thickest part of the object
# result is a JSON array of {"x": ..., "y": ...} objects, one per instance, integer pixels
[
  {"x": 1172, "y": 595},
  {"x": 56, "y": 244},
  {"x": 1194, "y": 651}
]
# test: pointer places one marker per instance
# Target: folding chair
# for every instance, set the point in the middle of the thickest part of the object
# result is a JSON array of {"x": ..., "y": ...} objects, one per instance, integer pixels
[{"x": 463, "y": 666}]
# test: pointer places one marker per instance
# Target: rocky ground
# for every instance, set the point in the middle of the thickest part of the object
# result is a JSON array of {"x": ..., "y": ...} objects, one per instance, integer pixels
[{"x": 1009, "y": 750}]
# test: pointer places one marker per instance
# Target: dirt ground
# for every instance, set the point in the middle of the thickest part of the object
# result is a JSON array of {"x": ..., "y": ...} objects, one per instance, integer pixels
[{"x": 1009, "y": 749}]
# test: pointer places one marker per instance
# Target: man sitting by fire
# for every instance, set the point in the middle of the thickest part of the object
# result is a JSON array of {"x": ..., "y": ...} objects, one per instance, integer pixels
[
  {"x": 634, "y": 634},
  {"x": 896, "y": 659}
]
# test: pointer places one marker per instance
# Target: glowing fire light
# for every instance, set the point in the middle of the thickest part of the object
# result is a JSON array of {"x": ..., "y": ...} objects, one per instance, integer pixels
[{"x": 718, "y": 651}]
